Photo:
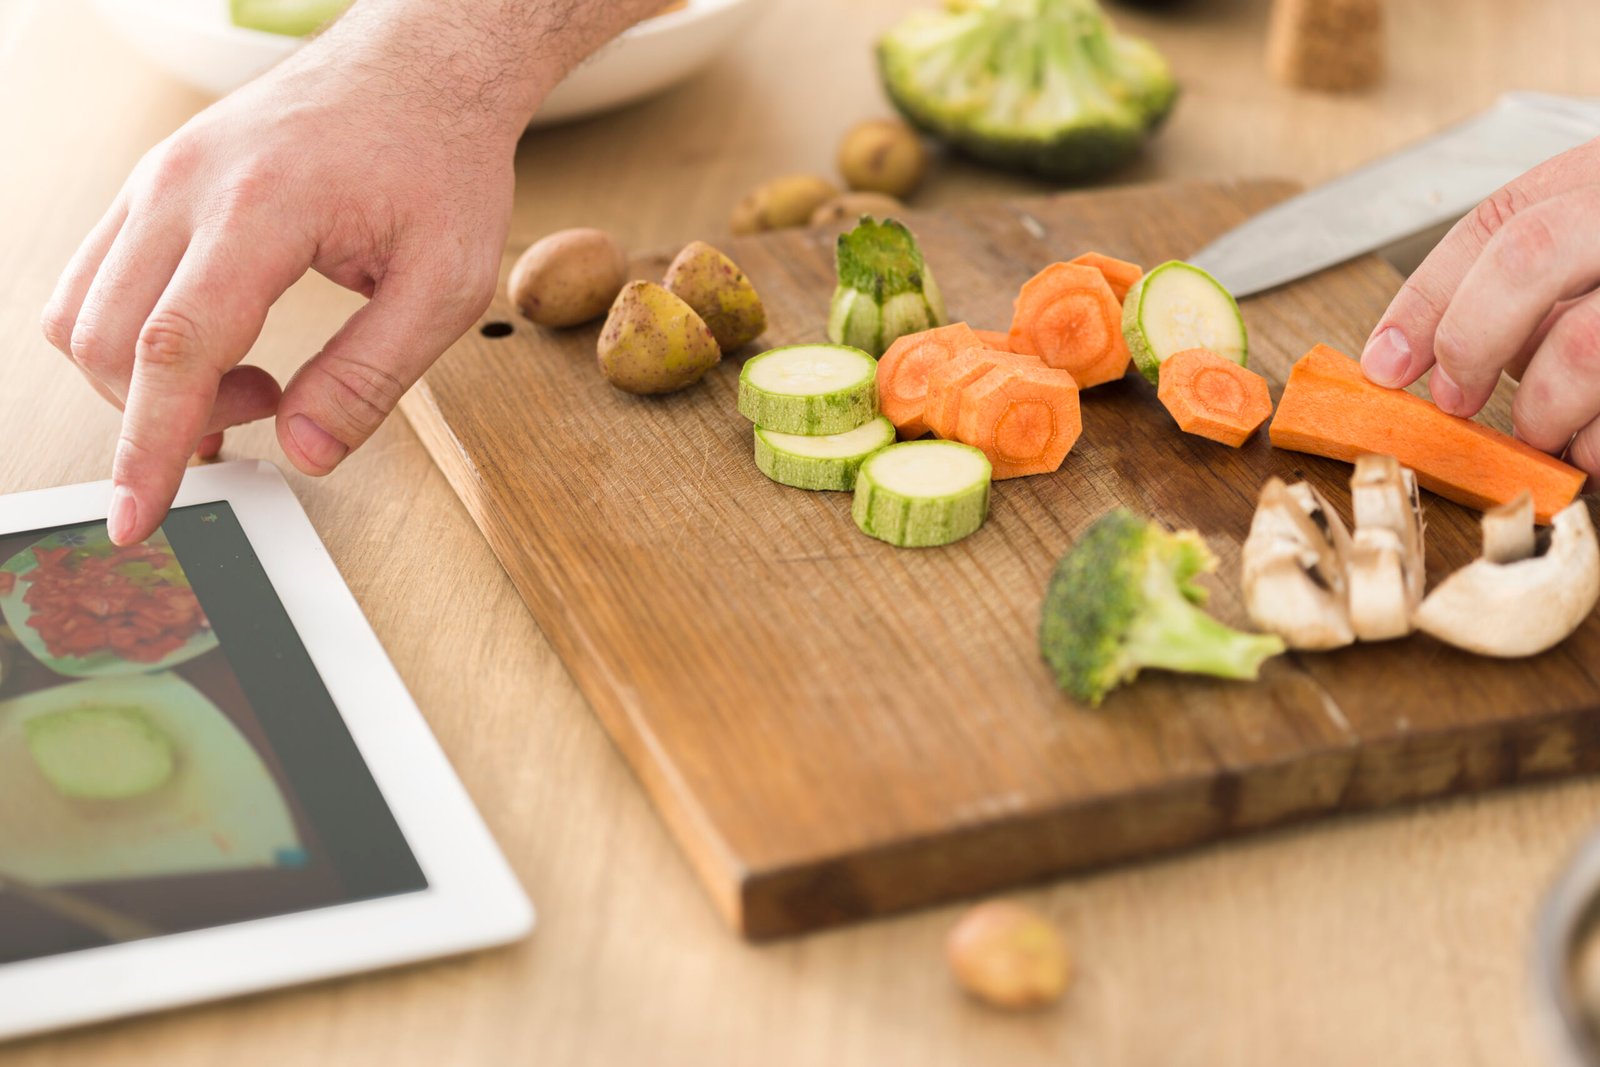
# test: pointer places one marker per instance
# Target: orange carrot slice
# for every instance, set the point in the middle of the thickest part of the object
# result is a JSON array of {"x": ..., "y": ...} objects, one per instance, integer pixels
[
  {"x": 1214, "y": 397},
  {"x": 995, "y": 339},
  {"x": 1068, "y": 316},
  {"x": 903, "y": 373},
  {"x": 948, "y": 381},
  {"x": 1118, "y": 273},
  {"x": 1025, "y": 419},
  {"x": 1329, "y": 408}
]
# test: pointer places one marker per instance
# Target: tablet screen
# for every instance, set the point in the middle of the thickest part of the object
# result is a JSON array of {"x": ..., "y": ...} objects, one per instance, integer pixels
[{"x": 169, "y": 758}]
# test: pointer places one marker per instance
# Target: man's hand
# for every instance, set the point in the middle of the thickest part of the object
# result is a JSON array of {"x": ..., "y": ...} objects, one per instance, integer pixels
[
  {"x": 378, "y": 155},
  {"x": 1511, "y": 288}
]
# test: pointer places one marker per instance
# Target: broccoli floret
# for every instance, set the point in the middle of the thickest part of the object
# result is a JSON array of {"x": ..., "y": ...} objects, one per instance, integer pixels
[
  {"x": 1042, "y": 85},
  {"x": 1125, "y": 598}
]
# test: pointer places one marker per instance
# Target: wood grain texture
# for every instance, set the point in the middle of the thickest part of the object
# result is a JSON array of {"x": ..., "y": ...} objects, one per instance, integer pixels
[
  {"x": 1395, "y": 937},
  {"x": 835, "y": 728}
]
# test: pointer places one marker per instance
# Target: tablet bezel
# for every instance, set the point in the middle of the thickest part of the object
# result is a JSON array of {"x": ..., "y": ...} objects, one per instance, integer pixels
[{"x": 473, "y": 899}]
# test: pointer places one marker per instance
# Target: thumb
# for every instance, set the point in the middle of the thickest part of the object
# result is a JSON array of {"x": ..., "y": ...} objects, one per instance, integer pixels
[{"x": 341, "y": 396}]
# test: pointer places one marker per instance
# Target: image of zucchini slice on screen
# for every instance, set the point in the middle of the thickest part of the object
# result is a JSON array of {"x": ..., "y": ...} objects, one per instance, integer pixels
[{"x": 100, "y": 752}]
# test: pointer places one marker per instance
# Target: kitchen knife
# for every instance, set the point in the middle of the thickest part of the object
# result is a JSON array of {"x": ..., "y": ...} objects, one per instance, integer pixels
[{"x": 1432, "y": 182}]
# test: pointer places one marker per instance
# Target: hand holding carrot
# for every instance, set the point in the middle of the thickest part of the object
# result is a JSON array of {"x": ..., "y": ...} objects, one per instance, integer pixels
[{"x": 1511, "y": 288}]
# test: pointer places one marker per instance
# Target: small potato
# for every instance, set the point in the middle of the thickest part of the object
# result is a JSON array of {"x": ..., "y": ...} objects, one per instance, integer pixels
[
  {"x": 849, "y": 207},
  {"x": 653, "y": 342},
  {"x": 1009, "y": 956},
  {"x": 569, "y": 277},
  {"x": 882, "y": 156},
  {"x": 781, "y": 203},
  {"x": 719, "y": 292}
]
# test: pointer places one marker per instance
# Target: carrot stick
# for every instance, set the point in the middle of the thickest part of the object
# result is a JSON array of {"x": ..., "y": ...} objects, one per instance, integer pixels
[
  {"x": 996, "y": 340},
  {"x": 1118, "y": 273},
  {"x": 1214, "y": 397},
  {"x": 1068, "y": 316},
  {"x": 1025, "y": 419},
  {"x": 1329, "y": 408},
  {"x": 949, "y": 380}
]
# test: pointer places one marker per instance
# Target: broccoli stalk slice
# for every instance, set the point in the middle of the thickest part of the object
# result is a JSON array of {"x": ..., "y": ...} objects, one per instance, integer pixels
[
  {"x": 885, "y": 288},
  {"x": 1172, "y": 634},
  {"x": 880, "y": 259}
]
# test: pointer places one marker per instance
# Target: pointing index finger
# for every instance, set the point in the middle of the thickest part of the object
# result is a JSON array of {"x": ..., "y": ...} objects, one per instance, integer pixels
[{"x": 170, "y": 397}]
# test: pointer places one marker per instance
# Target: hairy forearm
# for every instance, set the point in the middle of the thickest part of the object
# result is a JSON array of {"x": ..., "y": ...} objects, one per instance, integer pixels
[{"x": 477, "y": 64}]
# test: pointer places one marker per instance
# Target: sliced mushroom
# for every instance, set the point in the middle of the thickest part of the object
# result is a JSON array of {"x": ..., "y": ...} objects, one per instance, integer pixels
[
  {"x": 1508, "y": 532},
  {"x": 1385, "y": 563},
  {"x": 1294, "y": 580},
  {"x": 1526, "y": 605}
]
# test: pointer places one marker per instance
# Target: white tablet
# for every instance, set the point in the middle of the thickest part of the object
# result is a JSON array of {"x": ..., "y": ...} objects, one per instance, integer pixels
[{"x": 211, "y": 779}]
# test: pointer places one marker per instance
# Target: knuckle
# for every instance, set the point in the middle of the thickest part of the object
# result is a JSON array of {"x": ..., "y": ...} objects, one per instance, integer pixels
[
  {"x": 134, "y": 455},
  {"x": 1576, "y": 341},
  {"x": 1449, "y": 347},
  {"x": 361, "y": 395},
  {"x": 1529, "y": 408},
  {"x": 170, "y": 163},
  {"x": 57, "y": 328},
  {"x": 1585, "y": 450},
  {"x": 1525, "y": 245},
  {"x": 464, "y": 284},
  {"x": 168, "y": 338},
  {"x": 90, "y": 350},
  {"x": 1496, "y": 210},
  {"x": 245, "y": 192},
  {"x": 1419, "y": 301},
  {"x": 468, "y": 291}
]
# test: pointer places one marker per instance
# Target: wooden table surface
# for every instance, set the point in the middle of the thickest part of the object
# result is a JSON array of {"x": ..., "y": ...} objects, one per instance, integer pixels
[{"x": 1400, "y": 938}]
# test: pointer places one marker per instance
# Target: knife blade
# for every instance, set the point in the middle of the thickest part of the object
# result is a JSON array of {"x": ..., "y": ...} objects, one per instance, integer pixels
[{"x": 1432, "y": 182}]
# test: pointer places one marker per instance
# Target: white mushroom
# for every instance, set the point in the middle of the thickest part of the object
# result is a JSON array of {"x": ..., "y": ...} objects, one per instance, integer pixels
[
  {"x": 1524, "y": 605},
  {"x": 1508, "y": 533},
  {"x": 1294, "y": 579},
  {"x": 1384, "y": 566}
]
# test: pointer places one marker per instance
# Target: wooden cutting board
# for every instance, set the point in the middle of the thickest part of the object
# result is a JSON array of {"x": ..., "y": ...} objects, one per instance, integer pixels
[{"x": 834, "y": 728}]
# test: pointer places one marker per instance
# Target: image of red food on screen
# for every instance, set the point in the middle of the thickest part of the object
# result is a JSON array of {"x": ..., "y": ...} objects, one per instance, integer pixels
[{"x": 132, "y": 602}]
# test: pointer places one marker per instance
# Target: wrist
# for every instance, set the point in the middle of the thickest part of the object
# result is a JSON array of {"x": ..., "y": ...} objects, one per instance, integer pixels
[{"x": 480, "y": 66}]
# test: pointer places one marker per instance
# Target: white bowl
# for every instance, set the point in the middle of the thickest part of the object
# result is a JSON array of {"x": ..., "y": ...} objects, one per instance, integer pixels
[{"x": 196, "y": 42}]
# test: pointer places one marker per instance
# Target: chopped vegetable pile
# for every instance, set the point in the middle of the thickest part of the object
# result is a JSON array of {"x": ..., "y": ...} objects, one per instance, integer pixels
[{"x": 1008, "y": 404}]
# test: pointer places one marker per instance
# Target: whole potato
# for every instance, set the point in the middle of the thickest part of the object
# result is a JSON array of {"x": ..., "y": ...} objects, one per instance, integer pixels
[
  {"x": 882, "y": 156},
  {"x": 719, "y": 292},
  {"x": 849, "y": 207},
  {"x": 781, "y": 203},
  {"x": 569, "y": 277},
  {"x": 653, "y": 342},
  {"x": 1009, "y": 956}
]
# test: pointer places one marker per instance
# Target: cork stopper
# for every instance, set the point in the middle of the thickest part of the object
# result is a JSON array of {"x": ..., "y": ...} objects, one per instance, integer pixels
[{"x": 1326, "y": 45}]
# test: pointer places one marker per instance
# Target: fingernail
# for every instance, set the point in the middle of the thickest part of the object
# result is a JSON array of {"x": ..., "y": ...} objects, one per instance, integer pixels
[
  {"x": 1446, "y": 393},
  {"x": 319, "y": 446},
  {"x": 123, "y": 515},
  {"x": 1387, "y": 358}
]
